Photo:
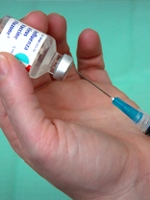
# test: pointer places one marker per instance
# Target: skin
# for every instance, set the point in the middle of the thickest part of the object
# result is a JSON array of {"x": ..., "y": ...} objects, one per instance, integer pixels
[{"x": 69, "y": 132}]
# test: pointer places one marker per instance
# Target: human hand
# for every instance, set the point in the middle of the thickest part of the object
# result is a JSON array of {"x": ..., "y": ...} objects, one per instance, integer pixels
[{"x": 69, "y": 132}]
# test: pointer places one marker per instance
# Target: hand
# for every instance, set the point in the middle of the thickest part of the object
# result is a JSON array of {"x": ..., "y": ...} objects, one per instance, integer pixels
[{"x": 69, "y": 132}]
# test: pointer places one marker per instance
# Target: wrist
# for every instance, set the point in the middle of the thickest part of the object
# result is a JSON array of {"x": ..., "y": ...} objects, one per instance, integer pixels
[{"x": 135, "y": 181}]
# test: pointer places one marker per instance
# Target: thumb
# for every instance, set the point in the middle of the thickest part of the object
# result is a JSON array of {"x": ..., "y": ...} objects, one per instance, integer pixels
[{"x": 21, "y": 104}]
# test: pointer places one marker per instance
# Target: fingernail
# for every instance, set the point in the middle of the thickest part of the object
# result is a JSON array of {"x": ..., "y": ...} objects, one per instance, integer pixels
[
  {"x": 25, "y": 17},
  {"x": 4, "y": 67}
]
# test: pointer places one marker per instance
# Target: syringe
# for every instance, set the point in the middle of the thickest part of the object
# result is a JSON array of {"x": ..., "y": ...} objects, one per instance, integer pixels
[{"x": 139, "y": 118}]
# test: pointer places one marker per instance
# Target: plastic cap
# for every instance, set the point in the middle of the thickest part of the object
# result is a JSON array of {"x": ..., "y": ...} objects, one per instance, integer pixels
[{"x": 62, "y": 67}]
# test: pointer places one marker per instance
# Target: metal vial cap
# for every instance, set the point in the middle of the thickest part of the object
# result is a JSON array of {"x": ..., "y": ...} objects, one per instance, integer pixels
[{"x": 62, "y": 68}]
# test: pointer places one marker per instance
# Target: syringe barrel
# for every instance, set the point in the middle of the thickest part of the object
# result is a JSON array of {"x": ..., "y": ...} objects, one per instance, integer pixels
[{"x": 144, "y": 123}]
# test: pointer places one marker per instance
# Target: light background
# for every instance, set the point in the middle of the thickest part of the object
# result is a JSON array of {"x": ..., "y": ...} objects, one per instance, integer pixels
[{"x": 124, "y": 28}]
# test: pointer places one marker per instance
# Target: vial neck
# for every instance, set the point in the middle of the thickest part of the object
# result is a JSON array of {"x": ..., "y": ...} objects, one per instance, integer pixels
[{"x": 55, "y": 60}]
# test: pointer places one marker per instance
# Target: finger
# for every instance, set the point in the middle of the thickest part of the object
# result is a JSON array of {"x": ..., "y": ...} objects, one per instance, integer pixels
[
  {"x": 57, "y": 29},
  {"x": 7, "y": 127},
  {"x": 90, "y": 56},
  {"x": 22, "y": 106},
  {"x": 39, "y": 21}
]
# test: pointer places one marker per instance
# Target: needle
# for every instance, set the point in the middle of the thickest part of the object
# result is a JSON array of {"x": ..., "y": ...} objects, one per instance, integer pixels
[
  {"x": 139, "y": 118},
  {"x": 94, "y": 84}
]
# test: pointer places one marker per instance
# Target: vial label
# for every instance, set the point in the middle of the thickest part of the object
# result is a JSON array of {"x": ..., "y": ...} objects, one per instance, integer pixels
[{"x": 22, "y": 41}]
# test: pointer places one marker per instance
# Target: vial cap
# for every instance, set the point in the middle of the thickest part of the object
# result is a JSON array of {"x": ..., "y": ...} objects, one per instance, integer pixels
[{"x": 62, "y": 68}]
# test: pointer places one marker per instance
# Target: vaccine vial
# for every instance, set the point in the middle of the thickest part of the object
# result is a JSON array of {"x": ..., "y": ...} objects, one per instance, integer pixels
[{"x": 36, "y": 50}]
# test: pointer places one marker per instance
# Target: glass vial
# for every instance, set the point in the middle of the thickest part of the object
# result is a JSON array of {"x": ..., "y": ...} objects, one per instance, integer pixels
[{"x": 36, "y": 50}]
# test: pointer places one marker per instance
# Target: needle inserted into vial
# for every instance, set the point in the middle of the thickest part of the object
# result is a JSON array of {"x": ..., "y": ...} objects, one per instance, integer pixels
[{"x": 140, "y": 118}]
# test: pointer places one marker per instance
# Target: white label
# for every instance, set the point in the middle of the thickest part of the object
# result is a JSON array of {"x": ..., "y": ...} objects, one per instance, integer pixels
[{"x": 21, "y": 40}]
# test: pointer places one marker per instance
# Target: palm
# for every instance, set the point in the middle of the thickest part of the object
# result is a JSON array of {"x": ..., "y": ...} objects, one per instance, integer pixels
[
  {"x": 93, "y": 133},
  {"x": 79, "y": 102}
]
